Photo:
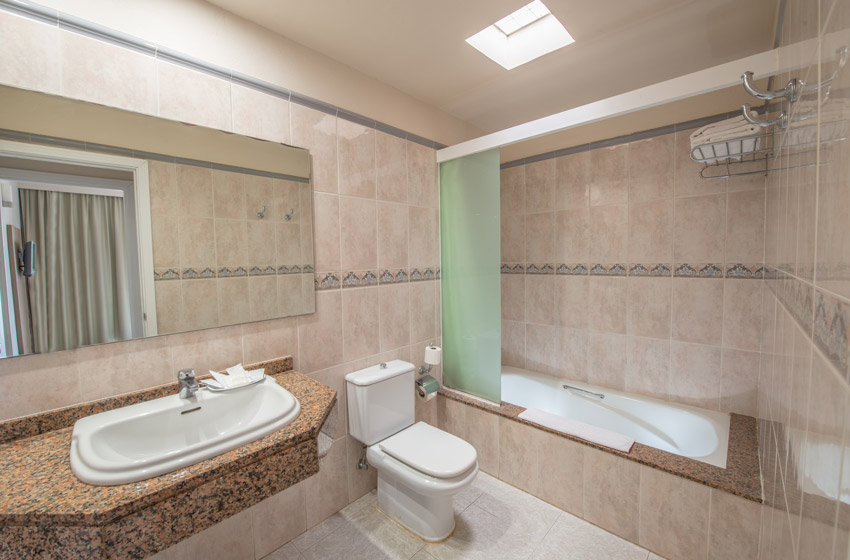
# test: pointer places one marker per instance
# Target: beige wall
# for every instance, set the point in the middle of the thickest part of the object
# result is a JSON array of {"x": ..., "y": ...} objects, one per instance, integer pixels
[
  {"x": 211, "y": 34},
  {"x": 375, "y": 209},
  {"x": 693, "y": 340},
  {"x": 804, "y": 396},
  {"x": 216, "y": 262}
]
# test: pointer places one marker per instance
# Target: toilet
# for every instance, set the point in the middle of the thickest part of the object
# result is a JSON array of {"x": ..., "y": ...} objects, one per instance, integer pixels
[{"x": 420, "y": 467}]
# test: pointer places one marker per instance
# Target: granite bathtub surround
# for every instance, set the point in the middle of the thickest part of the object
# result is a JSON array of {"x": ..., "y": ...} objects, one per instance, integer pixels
[
  {"x": 44, "y": 509},
  {"x": 677, "y": 507},
  {"x": 375, "y": 209},
  {"x": 622, "y": 268}
]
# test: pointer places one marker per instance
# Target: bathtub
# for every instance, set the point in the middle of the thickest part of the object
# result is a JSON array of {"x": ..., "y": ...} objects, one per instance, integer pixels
[{"x": 684, "y": 430}]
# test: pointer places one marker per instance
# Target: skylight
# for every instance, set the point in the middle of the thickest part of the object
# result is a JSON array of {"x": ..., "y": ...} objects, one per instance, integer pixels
[{"x": 522, "y": 36}]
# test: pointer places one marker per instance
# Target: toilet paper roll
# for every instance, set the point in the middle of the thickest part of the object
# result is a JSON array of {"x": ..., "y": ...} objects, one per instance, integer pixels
[
  {"x": 432, "y": 355},
  {"x": 427, "y": 387}
]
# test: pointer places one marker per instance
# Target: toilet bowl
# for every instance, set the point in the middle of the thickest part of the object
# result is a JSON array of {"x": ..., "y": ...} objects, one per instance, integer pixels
[{"x": 420, "y": 467}]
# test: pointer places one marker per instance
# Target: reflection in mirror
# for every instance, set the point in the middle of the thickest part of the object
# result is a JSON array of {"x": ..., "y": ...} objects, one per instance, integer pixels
[{"x": 109, "y": 243}]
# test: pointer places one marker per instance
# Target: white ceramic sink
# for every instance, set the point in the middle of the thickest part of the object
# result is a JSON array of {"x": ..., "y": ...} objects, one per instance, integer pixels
[{"x": 159, "y": 436}]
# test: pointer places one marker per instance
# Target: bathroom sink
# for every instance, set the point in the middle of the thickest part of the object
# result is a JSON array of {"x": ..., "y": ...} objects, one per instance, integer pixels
[{"x": 159, "y": 436}]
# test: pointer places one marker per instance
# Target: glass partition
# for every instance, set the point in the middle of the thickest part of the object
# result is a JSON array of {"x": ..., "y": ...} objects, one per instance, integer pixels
[{"x": 471, "y": 282}]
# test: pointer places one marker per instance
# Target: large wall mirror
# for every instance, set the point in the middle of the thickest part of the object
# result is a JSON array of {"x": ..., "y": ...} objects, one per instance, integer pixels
[{"x": 117, "y": 225}]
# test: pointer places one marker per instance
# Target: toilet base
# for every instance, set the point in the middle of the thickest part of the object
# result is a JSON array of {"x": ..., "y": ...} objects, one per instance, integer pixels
[{"x": 430, "y": 517}]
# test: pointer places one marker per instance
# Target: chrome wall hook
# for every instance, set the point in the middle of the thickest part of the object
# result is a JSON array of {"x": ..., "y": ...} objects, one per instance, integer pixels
[
  {"x": 781, "y": 121},
  {"x": 288, "y": 217},
  {"x": 262, "y": 213},
  {"x": 791, "y": 92}
]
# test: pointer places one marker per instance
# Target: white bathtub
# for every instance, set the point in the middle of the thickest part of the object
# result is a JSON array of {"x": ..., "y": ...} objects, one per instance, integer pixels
[{"x": 684, "y": 430}]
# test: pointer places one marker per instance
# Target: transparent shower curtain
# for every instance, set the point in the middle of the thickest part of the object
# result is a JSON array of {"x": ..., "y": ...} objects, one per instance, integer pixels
[{"x": 471, "y": 282}]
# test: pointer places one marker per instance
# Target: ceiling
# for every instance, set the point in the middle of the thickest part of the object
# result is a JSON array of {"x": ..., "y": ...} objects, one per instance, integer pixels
[{"x": 420, "y": 49}]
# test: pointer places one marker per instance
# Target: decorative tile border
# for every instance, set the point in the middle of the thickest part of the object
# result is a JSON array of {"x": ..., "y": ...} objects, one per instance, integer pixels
[
  {"x": 425, "y": 274},
  {"x": 360, "y": 279},
  {"x": 327, "y": 281},
  {"x": 366, "y": 278},
  {"x": 615, "y": 269},
  {"x": 657, "y": 270},
  {"x": 228, "y": 272},
  {"x": 398, "y": 276}
]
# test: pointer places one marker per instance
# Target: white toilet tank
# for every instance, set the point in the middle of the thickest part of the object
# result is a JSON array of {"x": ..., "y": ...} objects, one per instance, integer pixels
[{"x": 380, "y": 401}]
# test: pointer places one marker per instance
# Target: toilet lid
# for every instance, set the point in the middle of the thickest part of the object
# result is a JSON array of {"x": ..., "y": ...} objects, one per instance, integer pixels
[{"x": 431, "y": 451}]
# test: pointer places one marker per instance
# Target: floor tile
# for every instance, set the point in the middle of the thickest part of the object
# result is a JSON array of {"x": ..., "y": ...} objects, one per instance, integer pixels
[
  {"x": 286, "y": 552},
  {"x": 481, "y": 535},
  {"x": 572, "y": 538}
]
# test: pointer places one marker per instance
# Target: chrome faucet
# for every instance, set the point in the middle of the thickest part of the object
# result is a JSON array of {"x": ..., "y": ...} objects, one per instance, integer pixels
[{"x": 186, "y": 383}]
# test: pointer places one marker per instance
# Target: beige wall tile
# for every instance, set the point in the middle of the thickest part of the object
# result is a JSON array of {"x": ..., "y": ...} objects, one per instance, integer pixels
[
  {"x": 571, "y": 307},
  {"x": 262, "y": 297},
  {"x": 259, "y": 115},
  {"x": 169, "y": 306},
  {"x": 609, "y": 227},
  {"x": 229, "y": 195},
  {"x": 360, "y": 482},
  {"x": 326, "y": 232},
  {"x": 512, "y": 234},
  {"x": 142, "y": 363},
  {"x": 571, "y": 178},
  {"x": 277, "y": 520},
  {"x": 647, "y": 366},
  {"x": 194, "y": 191},
  {"x": 572, "y": 235},
  {"x": 699, "y": 232},
  {"x": 212, "y": 349},
  {"x": 651, "y": 168},
  {"x": 482, "y": 432},
  {"x": 356, "y": 145},
  {"x": 424, "y": 247},
  {"x": 518, "y": 461},
  {"x": 166, "y": 247},
  {"x": 200, "y": 303},
  {"x": 541, "y": 348},
  {"x": 512, "y": 191},
  {"x": 695, "y": 374},
  {"x": 39, "y": 382},
  {"x": 572, "y": 349},
  {"x": 392, "y": 235},
  {"x": 391, "y": 163},
  {"x": 266, "y": 340},
  {"x": 607, "y": 304},
  {"x": 234, "y": 304},
  {"x": 539, "y": 186},
  {"x": 513, "y": 344},
  {"x": 648, "y": 307},
  {"x": 673, "y": 515},
  {"x": 650, "y": 232},
  {"x": 218, "y": 542},
  {"x": 288, "y": 244},
  {"x": 540, "y": 237},
  {"x": 360, "y": 316},
  {"x": 734, "y": 529},
  {"x": 320, "y": 334},
  {"x": 540, "y": 299},
  {"x": 358, "y": 234},
  {"x": 231, "y": 244},
  {"x": 394, "y": 316},
  {"x": 317, "y": 132},
  {"x": 164, "y": 191},
  {"x": 422, "y": 176},
  {"x": 423, "y": 318},
  {"x": 30, "y": 58},
  {"x": 194, "y": 97},
  {"x": 698, "y": 310},
  {"x": 513, "y": 297},
  {"x": 327, "y": 492},
  {"x": 612, "y": 493},
  {"x": 687, "y": 180},
  {"x": 745, "y": 227},
  {"x": 561, "y": 464},
  {"x": 606, "y": 360},
  {"x": 608, "y": 176},
  {"x": 99, "y": 72},
  {"x": 742, "y": 300}
]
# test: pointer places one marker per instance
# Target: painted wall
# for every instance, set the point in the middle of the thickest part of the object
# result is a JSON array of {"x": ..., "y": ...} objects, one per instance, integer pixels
[
  {"x": 622, "y": 268},
  {"x": 376, "y": 232}
]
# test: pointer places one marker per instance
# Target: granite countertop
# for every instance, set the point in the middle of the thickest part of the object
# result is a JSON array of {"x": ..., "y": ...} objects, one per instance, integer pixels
[
  {"x": 740, "y": 477},
  {"x": 37, "y": 485}
]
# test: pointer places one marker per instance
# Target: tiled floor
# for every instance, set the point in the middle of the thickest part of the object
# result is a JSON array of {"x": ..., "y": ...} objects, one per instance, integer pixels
[{"x": 494, "y": 521}]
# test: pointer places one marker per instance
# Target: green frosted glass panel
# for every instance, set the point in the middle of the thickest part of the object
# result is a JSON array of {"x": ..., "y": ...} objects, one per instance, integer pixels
[{"x": 471, "y": 282}]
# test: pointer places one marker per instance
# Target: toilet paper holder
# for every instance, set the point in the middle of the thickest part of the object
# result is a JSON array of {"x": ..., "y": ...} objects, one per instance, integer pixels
[{"x": 432, "y": 358}]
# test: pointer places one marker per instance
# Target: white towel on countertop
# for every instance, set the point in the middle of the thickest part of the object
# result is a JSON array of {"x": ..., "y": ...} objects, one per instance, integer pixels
[{"x": 579, "y": 429}]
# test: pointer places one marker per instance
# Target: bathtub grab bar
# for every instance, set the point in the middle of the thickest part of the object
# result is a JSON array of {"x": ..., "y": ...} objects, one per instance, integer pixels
[{"x": 590, "y": 393}]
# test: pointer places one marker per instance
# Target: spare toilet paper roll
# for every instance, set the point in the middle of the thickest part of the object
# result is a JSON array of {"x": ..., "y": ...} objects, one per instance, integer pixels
[
  {"x": 427, "y": 387},
  {"x": 432, "y": 355}
]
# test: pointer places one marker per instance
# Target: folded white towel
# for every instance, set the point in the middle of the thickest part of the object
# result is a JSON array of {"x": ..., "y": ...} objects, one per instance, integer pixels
[
  {"x": 579, "y": 429},
  {"x": 718, "y": 126},
  {"x": 237, "y": 377}
]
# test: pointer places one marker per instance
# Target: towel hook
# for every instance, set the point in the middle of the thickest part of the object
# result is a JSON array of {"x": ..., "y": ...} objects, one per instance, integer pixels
[
  {"x": 781, "y": 120},
  {"x": 791, "y": 92}
]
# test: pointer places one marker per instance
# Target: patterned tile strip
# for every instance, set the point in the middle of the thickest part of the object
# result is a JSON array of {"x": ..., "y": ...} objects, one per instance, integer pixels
[
  {"x": 229, "y": 272},
  {"x": 683, "y": 270}
]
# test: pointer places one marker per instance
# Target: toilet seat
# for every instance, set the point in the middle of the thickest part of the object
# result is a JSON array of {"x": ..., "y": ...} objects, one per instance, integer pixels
[{"x": 430, "y": 451}]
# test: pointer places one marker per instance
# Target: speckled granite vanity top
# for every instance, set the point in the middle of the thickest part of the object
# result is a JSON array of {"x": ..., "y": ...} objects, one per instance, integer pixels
[{"x": 37, "y": 486}]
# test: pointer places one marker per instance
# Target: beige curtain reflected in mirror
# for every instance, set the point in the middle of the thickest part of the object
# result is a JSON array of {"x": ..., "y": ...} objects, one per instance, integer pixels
[{"x": 79, "y": 294}]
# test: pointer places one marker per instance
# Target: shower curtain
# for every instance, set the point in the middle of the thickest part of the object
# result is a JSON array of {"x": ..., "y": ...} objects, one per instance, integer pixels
[{"x": 80, "y": 293}]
